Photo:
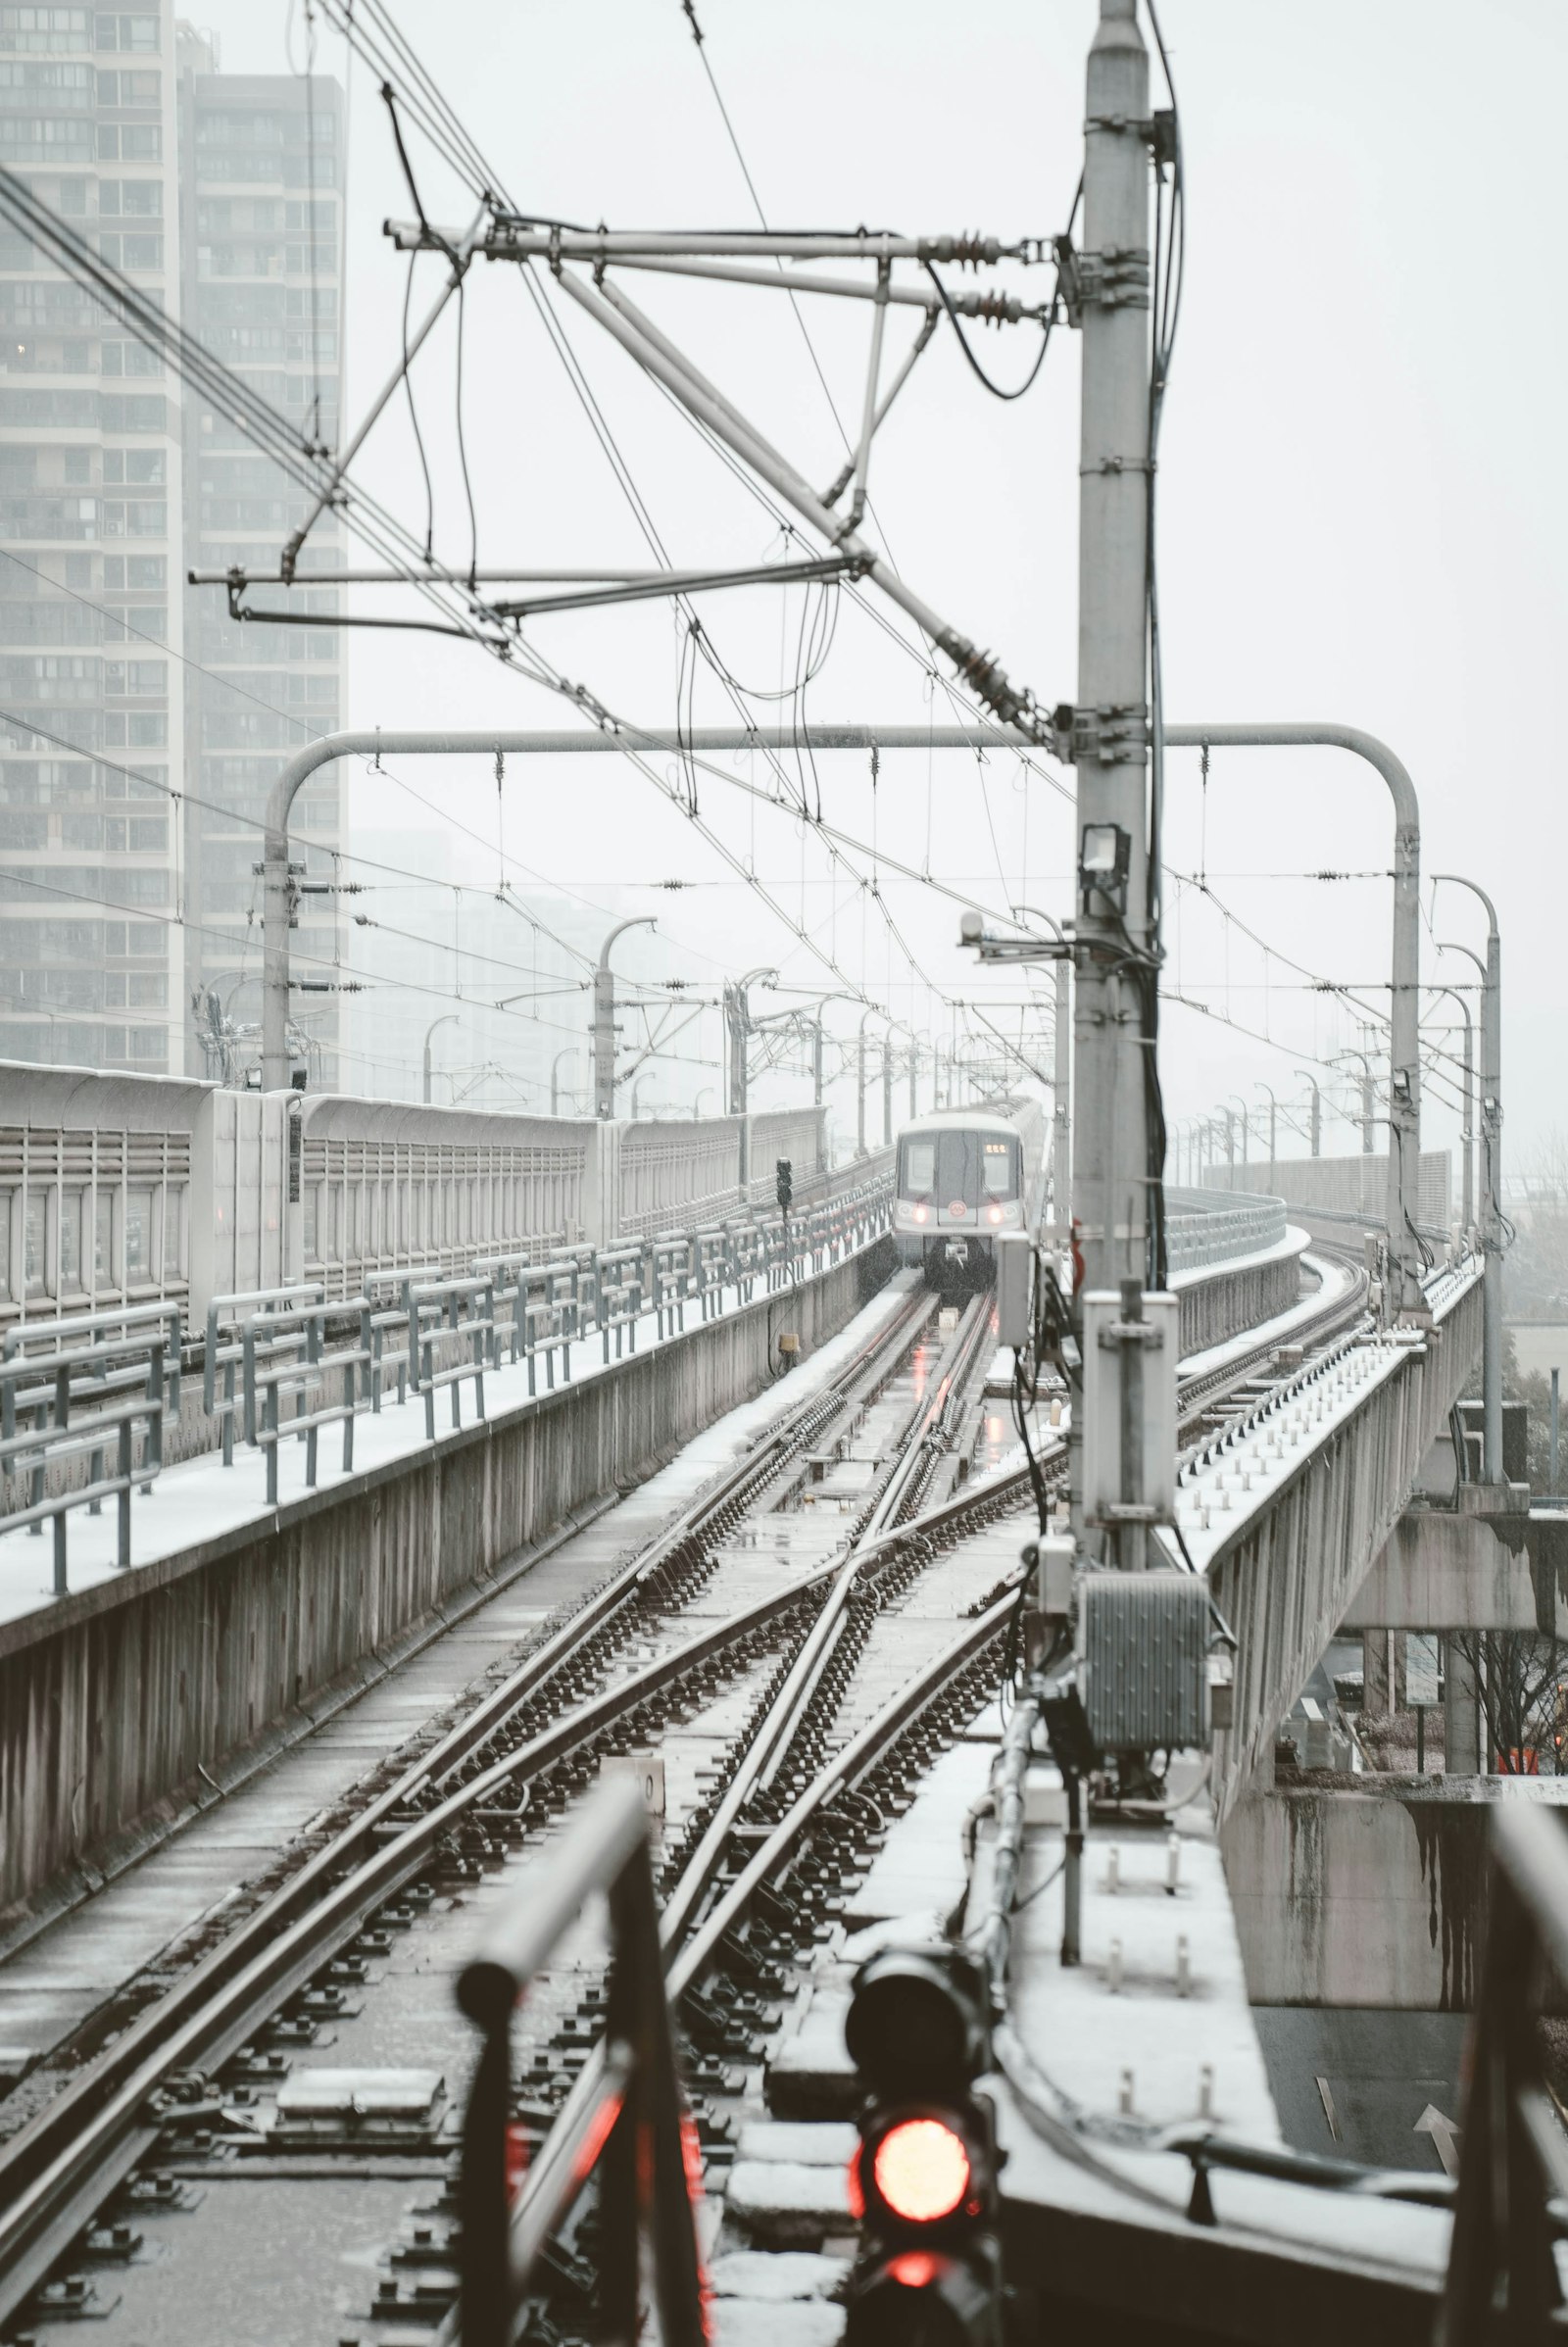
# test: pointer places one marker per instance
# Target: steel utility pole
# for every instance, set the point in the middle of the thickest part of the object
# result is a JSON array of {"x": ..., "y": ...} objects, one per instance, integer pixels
[
  {"x": 1110, "y": 744},
  {"x": 886, "y": 1088},
  {"x": 1467, "y": 1134},
  {"x": 860, "y": 1088},
  {"x": 1273, "y": 1124},
  {"x": 1368, "y": 1102},
  {"x": 567, "y": 1051},
  {"x": 448, "y": 1018},
  {"x": 604, "y": 1017},
  {"x": 1491, "y": 1181},
  {"x": 1246, "y": 1130},
  {"x": 1317, "y": 1115},
  {"x": 738, "y": 1029}
]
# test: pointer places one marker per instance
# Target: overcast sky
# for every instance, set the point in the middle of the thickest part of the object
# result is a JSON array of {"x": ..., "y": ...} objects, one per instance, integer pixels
[{"x": 1361, "y": 506}]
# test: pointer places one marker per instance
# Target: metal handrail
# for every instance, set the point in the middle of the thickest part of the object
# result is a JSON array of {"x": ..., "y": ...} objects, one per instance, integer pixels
[
  {"x": 55, "y": 1437},
  {"x": 630, "y": 2128},
  {"x": 1514, "y": 2154},
  {"x": 1199, "y": 1232}
]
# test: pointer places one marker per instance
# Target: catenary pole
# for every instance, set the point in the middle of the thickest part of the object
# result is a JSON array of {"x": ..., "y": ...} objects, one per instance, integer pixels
[
  {"x": 604, "y": 1017},
  {"x": 1468, "y": 1093},
  {"x": 1491, "y": 1181},
  {"x": 1111, "y": 737}
]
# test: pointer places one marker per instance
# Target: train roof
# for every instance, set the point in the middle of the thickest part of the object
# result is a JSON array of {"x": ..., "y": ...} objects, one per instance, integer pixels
[{"x": 961, "y": 1120}]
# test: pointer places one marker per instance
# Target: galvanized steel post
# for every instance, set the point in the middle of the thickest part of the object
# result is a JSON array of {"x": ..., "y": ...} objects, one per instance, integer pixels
[
  {"x": 1404, "y": 1038},
  {"x": 1110, "y": 734},
  {"x": 604, "y": 1017},
  {"x": 1491, "y": 1181}
]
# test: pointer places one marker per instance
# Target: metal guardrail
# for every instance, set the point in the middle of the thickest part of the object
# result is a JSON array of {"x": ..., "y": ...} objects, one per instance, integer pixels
[
  {"x": 58, "y": 1438},
  {"x": 1501, "y": 2280},
  {"x": 290, "y": 1361},
  {"x": 1198, "y": 1232},
  {"x": 631, "y": 2130},
  {"x": 122, "y": 1365}
]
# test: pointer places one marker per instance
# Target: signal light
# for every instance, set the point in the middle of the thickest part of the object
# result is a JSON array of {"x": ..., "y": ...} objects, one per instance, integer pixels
[
  {"x": 923, "y": 2180},
  {"x": 783, "y": 1182},
  {"x": 921, "y": 2171}
]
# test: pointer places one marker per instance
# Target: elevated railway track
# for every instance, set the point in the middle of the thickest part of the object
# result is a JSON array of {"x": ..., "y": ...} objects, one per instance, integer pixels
[{"x": 791, "y": 1655}]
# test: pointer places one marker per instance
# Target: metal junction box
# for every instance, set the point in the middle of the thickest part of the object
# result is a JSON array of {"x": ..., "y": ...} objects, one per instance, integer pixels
[
  {"x": 1143, "y": 1647},
  {"x": 1114, "y": 1350}
]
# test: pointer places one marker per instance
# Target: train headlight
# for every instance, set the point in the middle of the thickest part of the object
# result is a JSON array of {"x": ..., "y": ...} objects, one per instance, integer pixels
[
  {"x": 922, "y": 1213},
  {"x": 995, "y": 1214}
]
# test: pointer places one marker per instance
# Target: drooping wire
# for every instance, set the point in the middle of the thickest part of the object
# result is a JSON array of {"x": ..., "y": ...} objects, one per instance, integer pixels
[
  {"x": 463, "y": 445},
  {"x": 413, "y": 417}
]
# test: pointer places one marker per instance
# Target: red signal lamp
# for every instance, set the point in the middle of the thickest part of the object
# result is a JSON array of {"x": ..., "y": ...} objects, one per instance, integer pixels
[{"x": 920, "y": 2170}]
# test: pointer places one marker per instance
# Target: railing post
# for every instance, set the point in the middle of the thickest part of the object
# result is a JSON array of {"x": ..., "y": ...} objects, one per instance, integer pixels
[
  {"x": 484, "y": 2296},
  {"x": 269, "y": 1428},
  {"x": 155, "y": 1396},
  {"x": 122, "y": 1496},
  {"x": 653, "y": 2110}
]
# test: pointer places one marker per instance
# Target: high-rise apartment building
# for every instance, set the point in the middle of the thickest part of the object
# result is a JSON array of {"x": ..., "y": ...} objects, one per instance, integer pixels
[
  {"x": 261, "y": 231},
  {"x": 139, "y": 726},
  {"x": 92, "y": 735}
]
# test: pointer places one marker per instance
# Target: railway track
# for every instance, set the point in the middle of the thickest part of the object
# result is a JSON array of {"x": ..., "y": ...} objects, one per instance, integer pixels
[{"x": 804, "y": 1679}]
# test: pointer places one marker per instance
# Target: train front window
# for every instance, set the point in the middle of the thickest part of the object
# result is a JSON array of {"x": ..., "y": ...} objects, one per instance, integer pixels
[
  {"x": 919, "y": 1169},
  {"x": 997, "y": 1166},
  {"x": 958, "y": 1168}
]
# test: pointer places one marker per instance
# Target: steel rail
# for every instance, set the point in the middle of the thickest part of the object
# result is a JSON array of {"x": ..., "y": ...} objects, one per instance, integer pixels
[
  {"x": 562, "y": 2164},
  {"x": 558, "y": 2170},
  {"x": 55, "y": 2171},
  {"x": 58, "y": 2170}
]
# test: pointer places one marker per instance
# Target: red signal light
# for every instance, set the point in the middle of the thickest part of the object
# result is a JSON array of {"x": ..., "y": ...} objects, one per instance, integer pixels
[
  {"x": 915, "y": 2269},
  {"x": 921, "y": 2171}
]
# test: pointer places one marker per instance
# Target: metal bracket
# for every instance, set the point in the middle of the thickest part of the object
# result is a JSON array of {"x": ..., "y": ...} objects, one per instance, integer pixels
[
  {"x": 1113, "y": 278},
  {"x": 1132, "y": 1331},
  {"x": 1157, "y": 131},
  {"x": 1112, "y": 734}
]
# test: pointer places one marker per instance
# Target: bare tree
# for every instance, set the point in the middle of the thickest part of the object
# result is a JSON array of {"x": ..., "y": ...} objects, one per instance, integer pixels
[{"x": 1521, "y": 1683}]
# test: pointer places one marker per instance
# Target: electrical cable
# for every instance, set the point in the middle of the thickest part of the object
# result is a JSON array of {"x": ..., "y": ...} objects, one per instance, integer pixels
[{"x": 414, "y": 418}]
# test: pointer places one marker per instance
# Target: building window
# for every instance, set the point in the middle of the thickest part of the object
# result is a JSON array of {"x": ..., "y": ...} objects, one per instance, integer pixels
[
  {"x": 130, "y": 88},
  {"x": 41, "y": 31},
  {"x": 128, "y": 33}
]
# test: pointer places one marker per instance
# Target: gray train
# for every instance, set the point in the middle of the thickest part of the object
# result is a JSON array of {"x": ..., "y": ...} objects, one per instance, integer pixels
[{"x": 963, "y": 1177}]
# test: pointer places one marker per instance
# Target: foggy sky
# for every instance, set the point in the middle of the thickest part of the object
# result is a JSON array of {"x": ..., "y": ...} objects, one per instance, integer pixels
[{"x": 1361, "y": 507}]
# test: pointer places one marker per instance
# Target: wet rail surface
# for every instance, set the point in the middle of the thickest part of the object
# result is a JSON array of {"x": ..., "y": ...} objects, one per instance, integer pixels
[{"x": 790, "y": 1661}]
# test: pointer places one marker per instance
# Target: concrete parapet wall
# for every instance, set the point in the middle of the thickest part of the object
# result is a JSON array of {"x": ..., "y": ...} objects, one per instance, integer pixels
[
  {"x": 1284, "y": 1579},
  {"x": 112, "y": 1700},
  {"x": 1218, "y": 1303},
  {"x": 1348, "y": 1896}
]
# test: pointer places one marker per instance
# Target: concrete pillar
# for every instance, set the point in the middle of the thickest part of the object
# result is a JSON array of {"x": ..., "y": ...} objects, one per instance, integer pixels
[
  {"x": 1382, "y": 1673},
  {"x": 1462, "y": 1715}
]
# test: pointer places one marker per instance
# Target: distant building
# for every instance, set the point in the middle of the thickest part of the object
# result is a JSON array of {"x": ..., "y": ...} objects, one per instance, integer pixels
[
  {"x": 124, "y": 901},
  {"x": 262, "y": 228},
  {"x": 91, "y": 963}
]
